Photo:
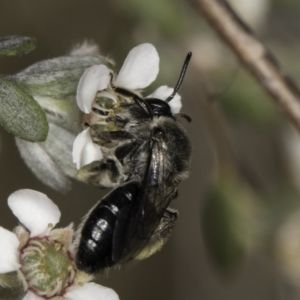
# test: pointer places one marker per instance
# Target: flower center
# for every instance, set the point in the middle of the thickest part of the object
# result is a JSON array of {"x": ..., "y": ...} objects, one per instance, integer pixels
[{"x": 47, "y": 267}]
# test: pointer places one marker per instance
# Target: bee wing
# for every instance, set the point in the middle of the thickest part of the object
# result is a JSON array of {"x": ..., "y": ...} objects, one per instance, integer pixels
[{"x": 139, "y": 219}]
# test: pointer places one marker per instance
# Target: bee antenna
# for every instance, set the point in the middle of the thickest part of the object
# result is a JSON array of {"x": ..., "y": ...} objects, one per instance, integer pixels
[{"x": 181, "y": 76}]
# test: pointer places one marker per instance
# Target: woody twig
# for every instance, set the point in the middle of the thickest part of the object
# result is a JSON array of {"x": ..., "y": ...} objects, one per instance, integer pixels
[{"x": 260, "y": 62}]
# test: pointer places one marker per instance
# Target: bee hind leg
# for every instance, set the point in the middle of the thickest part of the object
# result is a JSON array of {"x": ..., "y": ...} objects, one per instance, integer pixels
[
  {"x": 103, "y": 173},
  {"x": 160, "y": 235}
]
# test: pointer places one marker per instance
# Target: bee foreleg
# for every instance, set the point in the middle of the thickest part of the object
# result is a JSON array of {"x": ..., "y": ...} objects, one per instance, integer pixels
[
  {"x": 109, "y": 139},
  {"x": 118, "y": 121}
]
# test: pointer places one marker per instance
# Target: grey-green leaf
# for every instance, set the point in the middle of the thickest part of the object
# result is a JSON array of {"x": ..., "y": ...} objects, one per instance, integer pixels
[
  {"x": 51, "y": 161},
  {"x": 43, "y": 166},
  {"x": 20, "y": 114},
  {"x": 14, "y": 45},
  {"x": 56, "y": 78}
]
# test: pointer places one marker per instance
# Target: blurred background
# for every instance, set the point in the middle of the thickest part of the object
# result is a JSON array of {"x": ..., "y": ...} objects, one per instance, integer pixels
[{"x": 238, "y": 233}]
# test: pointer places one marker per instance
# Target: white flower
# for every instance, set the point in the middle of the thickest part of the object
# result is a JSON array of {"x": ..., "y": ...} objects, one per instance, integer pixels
[
  {"x": 139, "y": 70},
  {"x": 40, "y": 257},
  {"x": 162, "y": 93},
  {"x": 84, "y": 150}
]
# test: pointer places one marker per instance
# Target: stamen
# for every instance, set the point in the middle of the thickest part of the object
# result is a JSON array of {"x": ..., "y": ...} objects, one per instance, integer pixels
[
  {"x": 56, "y": 290},
  {"x": 37, "y": 243},
  {"x": 31, "y": 268},
  {"x": 72, "y": 274},
  {"x": 32, "y": 250},
  {"x": 47, "y": 267}
]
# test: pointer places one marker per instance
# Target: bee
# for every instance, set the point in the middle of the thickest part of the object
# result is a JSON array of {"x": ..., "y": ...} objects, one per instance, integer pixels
[
  {"x": 147, "y": 157},
  {"x": 125, "y": 147}
]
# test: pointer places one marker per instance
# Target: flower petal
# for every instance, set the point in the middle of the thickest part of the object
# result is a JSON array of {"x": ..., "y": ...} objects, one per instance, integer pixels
[
  {"x": 84, "y": 149},
  {"x": 90, "y": 291},
  {"x": 32, "y": 296},
  {"x": 163, "y": 92},
  {"x": 8, "y": 251},
  {"x": 140, "y": 68},
  {"x": 94, "y": 79},
  {"x": 35, "y": 211}
]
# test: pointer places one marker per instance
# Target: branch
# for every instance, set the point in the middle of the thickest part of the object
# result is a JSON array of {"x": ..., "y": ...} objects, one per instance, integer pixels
[{"x": 254, "y": 55}]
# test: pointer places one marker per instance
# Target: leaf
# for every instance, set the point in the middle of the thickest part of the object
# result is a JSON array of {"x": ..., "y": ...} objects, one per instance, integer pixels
[
  {"x": 43, "y": 166},
  {"x": 56, "y": 78},
  {"x": 20, "y": 114},
  {"x": 53, "y": 84},
  {"x": 51, "y": 161},
  {"x": 13, "y": 45}
]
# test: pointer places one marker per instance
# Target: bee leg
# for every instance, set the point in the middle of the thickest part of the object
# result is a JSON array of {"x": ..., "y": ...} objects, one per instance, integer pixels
[
  {"x": 103, "y": 173},
  {"x": 127, "y": 149},
  {"x": 160, "y": 235},
  {"x": 119, "y": 135},
  {"x": 117, "y": 120},
  {"x": 110, "y": 139}
]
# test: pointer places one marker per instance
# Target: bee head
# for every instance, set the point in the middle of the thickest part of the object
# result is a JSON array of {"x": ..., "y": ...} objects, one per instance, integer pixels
[
  {"x": 159, "y": 107},
  {"x": 162, "y": 108}
]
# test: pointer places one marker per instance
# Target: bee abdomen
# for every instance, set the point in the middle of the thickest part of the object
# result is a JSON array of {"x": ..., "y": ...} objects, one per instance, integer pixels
[
  {"x": 96, "y": 243},
  {"x": 94, "y": 251}
]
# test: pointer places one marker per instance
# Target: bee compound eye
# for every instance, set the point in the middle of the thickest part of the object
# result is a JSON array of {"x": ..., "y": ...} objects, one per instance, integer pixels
[{"x": 159, "y": 107}]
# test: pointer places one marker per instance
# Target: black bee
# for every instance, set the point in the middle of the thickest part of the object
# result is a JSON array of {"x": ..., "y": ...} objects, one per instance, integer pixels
[
  {"x": 125, "y": 147},
  {"x": 147, "y": 157}
]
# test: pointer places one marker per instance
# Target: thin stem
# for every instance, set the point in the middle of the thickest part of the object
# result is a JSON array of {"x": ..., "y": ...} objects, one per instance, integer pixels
[{"x": 254, "y": 55}]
